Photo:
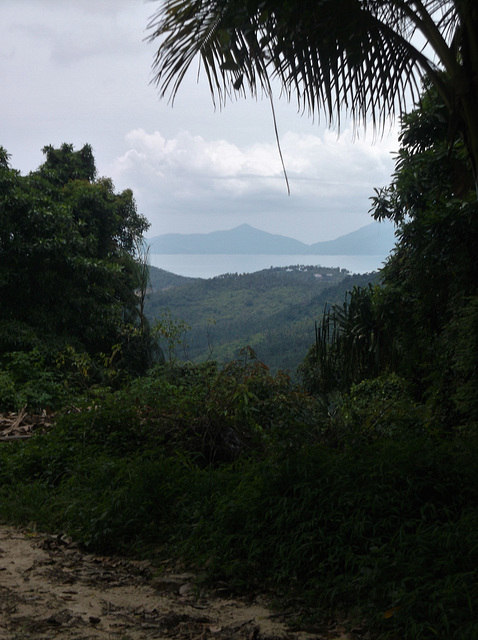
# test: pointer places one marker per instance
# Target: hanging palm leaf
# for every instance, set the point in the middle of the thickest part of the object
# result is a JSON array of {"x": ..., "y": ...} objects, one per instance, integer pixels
[{"x": 361, "y": 58}]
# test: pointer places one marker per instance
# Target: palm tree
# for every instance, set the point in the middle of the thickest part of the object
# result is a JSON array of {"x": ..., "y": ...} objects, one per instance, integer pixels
[{"x": 361, "y": 58}]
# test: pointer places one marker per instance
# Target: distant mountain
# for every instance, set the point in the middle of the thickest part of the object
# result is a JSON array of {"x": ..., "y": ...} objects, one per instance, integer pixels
[
  {"x": 243, "y": 239},
  {"x": 375, "y": 238}
]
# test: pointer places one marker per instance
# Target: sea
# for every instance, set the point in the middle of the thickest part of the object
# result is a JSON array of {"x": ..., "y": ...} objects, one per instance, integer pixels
[{"x": 212, "y": 265}]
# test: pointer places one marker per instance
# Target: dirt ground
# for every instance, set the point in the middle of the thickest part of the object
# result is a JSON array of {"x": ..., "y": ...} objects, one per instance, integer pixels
[{"x": 50, "y": 589}]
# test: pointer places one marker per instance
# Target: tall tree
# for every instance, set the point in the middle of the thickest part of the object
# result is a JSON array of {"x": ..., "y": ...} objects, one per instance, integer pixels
[
  {"x": 68, "y": 251},
  {"x": 359, "y": 57},
  {"x": 430, "y": 280},
  {"x": 422, "y": 321}
]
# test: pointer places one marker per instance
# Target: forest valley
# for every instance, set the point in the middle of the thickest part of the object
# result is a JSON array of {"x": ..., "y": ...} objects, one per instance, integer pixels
[
  {"x": 273, "y": 311},
  {"x": 347, "y": 489}
]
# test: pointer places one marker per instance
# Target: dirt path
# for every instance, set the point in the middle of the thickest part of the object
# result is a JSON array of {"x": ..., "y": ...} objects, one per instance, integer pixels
[{"x": 50, "y": 589}]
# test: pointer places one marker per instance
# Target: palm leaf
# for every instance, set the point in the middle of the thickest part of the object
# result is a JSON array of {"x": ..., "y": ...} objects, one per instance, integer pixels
[
  {"x": 354, "y": 57},
  {"x": 333, "y": 54}
]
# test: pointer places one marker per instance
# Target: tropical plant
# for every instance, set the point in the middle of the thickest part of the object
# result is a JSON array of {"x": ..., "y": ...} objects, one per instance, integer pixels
[
  {"x": 68, "y": 252},
  {"x": 430, "y": 279},
  {"x": 361, "y": 57},
  {"x": 353, "y": 342},
  {"x": 421, "y": 321}
]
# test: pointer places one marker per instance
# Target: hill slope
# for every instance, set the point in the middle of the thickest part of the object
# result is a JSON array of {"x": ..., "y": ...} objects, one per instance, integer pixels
[
  {"x": 373, "y": 239},
  {"x": 273, "y": 311}
]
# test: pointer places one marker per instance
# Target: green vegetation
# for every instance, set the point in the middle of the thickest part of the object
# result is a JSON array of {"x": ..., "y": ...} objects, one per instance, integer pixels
[
  {"x": 366, "y": 514},
  {"x": 353, "y": 494},
  {"x": 274, "y": 311},
  {"x": 420, "y": 323},
  {"x": 70, "y": 272}
]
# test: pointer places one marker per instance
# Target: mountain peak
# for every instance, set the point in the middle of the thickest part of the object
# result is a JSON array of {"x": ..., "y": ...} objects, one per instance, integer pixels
[{"x": 375, "y": 238}]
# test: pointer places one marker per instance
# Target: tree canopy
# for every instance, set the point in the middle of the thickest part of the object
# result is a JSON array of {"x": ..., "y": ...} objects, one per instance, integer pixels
[
  {"x": 68, "y": 249},
  {"x": 361, "y": 57},
  {"x": 421, "y": 322}
]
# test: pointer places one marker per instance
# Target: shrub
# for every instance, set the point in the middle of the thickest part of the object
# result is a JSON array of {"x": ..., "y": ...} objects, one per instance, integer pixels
[{"x": 384, "y": 524}]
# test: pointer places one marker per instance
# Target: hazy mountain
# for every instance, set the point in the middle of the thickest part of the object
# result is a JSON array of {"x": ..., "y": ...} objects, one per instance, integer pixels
[
  {"x": 375, "y": 238},
  {"x": 242, "y": 239}
]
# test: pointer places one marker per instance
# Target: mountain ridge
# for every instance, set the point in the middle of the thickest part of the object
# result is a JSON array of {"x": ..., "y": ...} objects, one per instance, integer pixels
[{"x": 374, "y": 238}]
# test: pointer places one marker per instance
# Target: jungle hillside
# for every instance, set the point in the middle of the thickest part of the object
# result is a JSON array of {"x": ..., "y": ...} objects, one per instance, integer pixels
[
  {"x": 273, "y": 311},
  {"x": 348, "y": 492}
]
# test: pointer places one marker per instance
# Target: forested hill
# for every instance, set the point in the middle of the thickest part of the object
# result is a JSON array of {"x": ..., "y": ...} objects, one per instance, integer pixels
[
  {"x": 159, "y": 279},
  {"x": 273, "y": 311}
]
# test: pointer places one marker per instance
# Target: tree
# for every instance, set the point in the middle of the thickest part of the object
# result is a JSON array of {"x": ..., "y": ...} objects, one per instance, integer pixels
[
  {"x": 421, "y": 322},
  {"x": 358, "y": 56},
  {"x": 430, "y": 279},
  {"x": 68, "y": 253},
  {"x": 354, "y": 341}
]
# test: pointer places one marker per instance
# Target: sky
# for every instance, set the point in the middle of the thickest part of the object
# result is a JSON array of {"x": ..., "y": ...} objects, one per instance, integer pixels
[{"x": 80, "y": 71}]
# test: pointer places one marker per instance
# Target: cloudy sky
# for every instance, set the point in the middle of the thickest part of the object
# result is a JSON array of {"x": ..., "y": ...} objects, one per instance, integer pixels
[{"x": 79, "y": 71}]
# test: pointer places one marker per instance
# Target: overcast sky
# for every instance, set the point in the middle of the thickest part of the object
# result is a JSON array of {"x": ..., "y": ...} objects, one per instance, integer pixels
[{"x": 79, "y": 71}]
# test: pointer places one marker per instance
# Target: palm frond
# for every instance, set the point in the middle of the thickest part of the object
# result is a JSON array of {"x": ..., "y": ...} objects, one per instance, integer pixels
[{"x": 340, "y": 56}]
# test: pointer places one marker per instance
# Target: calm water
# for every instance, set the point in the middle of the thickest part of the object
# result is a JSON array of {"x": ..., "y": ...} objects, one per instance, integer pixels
[{"x": 210, "y": 265}]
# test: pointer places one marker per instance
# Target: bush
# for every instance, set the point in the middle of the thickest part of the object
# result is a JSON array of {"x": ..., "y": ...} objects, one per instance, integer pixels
[
  {"x": 388, "y": 528},
  {"x": 383, "y": 522},
  {"x": 28, "y": 379},
  {"x": 377, "y": 408}
]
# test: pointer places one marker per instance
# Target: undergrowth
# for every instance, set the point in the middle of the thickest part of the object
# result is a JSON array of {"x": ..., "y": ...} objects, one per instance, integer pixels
[{"x": 244, "y": 477}]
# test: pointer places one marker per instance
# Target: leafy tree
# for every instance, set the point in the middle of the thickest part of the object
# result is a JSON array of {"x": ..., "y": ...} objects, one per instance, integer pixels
[
  {"x": 421, "y": 321},
  {"x": 430, "y": 167},
  {"x": 357, "y": 56},
  {"x": 63, "y": 164},
  {"x": 430, "y": 280},
  {"x": 68, "y": 253}
]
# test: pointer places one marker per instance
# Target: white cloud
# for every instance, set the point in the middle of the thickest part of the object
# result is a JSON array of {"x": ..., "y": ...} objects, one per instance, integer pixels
[
  {"x": 206, "y": 158},
  {"x": 78, "y": 71},
  {"x": 201, "y": 179}
]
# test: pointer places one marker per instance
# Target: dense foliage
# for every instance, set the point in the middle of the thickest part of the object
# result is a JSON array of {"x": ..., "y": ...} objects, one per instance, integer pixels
[
  {"x": 69, "y": 267},
  {"x": 421, "y": 322},
  {"x": 365, "y": 515},
  {"x": 273, "y": 311},
  {"x": 353, "y": 495}
]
